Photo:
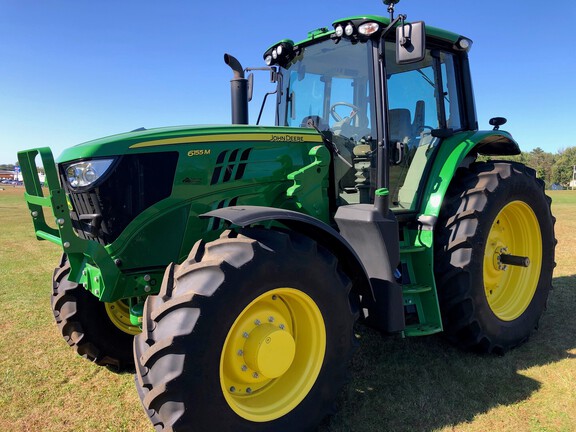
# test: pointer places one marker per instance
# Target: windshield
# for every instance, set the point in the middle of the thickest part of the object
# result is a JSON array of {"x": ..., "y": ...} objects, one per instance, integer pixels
[
  {"x": 329, "y": 84},
  {"x": 332, "y": 84}
]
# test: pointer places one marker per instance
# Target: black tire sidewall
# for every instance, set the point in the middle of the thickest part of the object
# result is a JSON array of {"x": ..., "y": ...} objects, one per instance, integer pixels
[
  {"x": 218, "y": 313},
  {"x": 102, "y": 342},
  {"x": 523, "y": 187}
]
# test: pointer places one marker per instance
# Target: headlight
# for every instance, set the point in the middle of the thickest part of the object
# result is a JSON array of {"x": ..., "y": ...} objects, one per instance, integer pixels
[{"x": 85, "y": 173}]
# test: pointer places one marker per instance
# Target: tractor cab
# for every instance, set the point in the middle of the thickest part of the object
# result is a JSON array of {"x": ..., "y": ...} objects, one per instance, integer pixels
[{"x": 383, "y": 93}]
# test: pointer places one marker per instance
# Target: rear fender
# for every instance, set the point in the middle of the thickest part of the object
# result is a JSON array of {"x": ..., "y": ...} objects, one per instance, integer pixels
[{"x": 454, "y": 152}]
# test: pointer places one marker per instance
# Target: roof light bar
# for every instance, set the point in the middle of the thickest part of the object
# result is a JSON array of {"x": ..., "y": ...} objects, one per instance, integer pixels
[{"x": 280, "y": 54}]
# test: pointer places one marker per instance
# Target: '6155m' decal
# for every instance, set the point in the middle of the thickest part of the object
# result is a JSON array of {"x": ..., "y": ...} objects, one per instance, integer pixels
[{"x": 199, "y": 152}]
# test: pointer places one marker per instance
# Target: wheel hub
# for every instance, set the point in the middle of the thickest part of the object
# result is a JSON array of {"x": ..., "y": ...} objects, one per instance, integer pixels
[
  {"x": 269, "y": 350},
  {"x": 498, "y": 265},
  {"x": 119, "y": 314}
]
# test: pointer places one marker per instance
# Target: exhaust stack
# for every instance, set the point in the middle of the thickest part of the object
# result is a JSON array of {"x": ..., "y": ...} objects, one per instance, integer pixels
[{"x": 239, "y": 91}]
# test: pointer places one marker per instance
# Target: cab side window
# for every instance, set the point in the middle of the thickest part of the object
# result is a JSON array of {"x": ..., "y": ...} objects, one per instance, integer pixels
[
  {"x": 451, "y": 96},
  {"x": 422, "y": 97}
]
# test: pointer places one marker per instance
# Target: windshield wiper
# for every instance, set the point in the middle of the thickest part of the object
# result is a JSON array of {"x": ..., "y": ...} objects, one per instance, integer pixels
[
  {"x": 328, "y": 141},
  {"x": 429, "y": 81}
]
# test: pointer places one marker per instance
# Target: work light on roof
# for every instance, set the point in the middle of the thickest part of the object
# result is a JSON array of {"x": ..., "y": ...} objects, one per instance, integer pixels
[
  {"x": 280, "y": 54},
  {"x": 349, "y": 30},
  {"x": 464, "y": 43},
  {"x": 339, "y": 31},
  {"x": 368, "y": 28}
]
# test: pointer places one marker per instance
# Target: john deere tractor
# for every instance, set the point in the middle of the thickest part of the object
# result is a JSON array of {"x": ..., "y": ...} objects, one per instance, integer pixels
[{"x": 229, "y": 264}]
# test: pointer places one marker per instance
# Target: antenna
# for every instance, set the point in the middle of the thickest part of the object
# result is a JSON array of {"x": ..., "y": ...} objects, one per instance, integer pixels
[{"x": 390, "y": 4}]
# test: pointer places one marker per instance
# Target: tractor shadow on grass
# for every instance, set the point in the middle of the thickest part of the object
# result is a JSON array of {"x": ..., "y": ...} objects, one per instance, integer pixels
[{"x": 425, "y": 384}]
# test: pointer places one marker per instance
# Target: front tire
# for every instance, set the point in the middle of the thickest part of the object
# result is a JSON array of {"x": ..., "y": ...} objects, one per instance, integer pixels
[
  {"x": 253, "y": 332},
  {"x": 95, "y": 330},
  {"x": 494, "y": 212}
]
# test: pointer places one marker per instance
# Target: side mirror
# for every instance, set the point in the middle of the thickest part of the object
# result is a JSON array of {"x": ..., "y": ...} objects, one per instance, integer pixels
[
  {"x": 410, "y": 42},
  {"x": 273, "y": 75},
  {"x": 250, "y": 86}
]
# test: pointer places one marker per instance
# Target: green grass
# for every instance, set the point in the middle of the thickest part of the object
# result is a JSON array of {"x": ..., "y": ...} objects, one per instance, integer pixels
[{"x": 397, "y": 384}]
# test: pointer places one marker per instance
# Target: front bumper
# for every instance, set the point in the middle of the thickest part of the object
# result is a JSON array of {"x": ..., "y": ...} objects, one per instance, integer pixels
[{"x": 90, "y": 262}]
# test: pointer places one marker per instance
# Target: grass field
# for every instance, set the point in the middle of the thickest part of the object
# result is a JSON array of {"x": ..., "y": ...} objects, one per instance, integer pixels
[{"x": 396, "y": 385}]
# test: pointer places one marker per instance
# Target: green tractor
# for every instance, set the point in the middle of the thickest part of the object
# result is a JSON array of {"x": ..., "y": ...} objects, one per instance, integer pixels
[{"x": 228, "y": 265}]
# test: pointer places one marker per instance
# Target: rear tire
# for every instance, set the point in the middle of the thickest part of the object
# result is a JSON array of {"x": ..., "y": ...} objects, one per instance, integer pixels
[
  {"x": 253, "y": 332},
  {"x": 493, "y": 209},
  {"x": 86, "y": 325}
]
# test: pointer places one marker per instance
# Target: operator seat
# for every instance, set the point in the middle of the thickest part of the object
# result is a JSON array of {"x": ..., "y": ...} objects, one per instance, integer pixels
[{"x": 400, "y": 121}]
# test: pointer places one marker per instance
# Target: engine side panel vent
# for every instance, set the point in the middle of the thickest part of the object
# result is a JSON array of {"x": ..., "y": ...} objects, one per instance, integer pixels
[{"x": 230, "y": 165}]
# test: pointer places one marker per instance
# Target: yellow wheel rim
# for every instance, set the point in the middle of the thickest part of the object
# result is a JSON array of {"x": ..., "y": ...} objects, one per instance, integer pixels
[
  {"x": 119, "y": 314},
  {"x": 509, "y": 289},
  {"x": 272, "y": 355}
]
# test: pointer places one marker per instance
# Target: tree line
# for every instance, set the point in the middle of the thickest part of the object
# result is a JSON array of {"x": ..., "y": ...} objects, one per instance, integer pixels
[{"x": 553, "y": 169}]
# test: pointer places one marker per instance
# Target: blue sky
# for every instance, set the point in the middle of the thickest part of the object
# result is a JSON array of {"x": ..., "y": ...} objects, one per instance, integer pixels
[{"x": 72, "y": 71}]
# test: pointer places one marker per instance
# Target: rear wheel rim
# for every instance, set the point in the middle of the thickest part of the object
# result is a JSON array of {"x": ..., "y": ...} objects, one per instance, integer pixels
[
  {"x": 272, "y": 355},
  {"x": 509, "y": 289}
]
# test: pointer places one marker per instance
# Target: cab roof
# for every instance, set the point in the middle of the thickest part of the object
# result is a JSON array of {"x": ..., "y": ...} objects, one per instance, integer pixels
[{"x": 323, "y": 32}]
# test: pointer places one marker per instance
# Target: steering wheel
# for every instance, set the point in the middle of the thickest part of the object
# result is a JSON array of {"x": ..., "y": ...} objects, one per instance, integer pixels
[{"x": 338, "y": 117}]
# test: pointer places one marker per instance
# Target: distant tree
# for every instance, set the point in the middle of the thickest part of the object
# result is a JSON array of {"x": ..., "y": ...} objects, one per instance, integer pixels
[
  {"x": 539, "y": 160},
  {"x": 516, "y": 158},
  {"x": 542, "y": 162},
  {"x": 562, "y": 171}
]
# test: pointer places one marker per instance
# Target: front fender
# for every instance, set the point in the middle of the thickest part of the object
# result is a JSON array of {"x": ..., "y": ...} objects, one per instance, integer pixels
[{"x": 322, "y": 233}]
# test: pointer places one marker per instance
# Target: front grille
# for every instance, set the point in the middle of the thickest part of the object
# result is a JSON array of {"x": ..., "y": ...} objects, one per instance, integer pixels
[{"x": 133, "y": 184}]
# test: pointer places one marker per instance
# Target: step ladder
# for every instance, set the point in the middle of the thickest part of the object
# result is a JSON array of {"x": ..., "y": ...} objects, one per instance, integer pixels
[{"x": 421, "y": 307}]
